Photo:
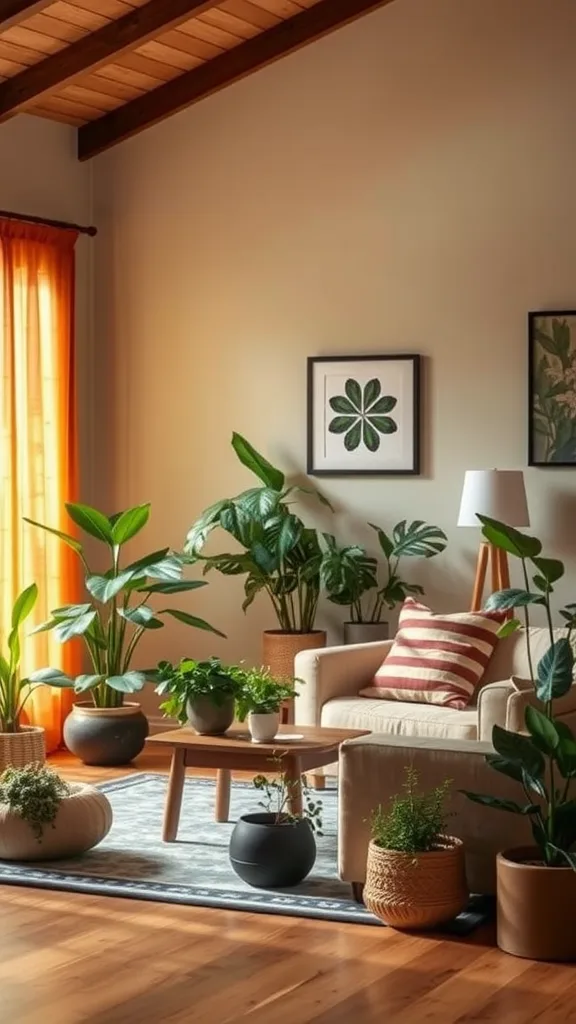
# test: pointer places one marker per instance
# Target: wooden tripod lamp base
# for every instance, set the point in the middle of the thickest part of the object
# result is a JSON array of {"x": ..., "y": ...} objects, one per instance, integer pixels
[{"x": 499, "y": 573}]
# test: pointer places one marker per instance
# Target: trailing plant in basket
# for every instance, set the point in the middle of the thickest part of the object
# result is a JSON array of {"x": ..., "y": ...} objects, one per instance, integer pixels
[
  {"x": 15, "y": 691},
  {"x": 189, "y": 679},
  {"x": 414, "y": 821},
  {"x": 34, "y": 793},
  {"x": 350, "y": 575},
  {"x": 118, "y": 613},
  {"x": 543, "y": 762},
  {"x": 276, "y": 793},
  {"x": 280, "y": 556}
]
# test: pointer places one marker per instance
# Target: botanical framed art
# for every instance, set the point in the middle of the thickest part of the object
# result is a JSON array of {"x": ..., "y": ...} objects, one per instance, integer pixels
[
  {"x": 363, "y": 415},
  {"x": 552, "y": 388}
]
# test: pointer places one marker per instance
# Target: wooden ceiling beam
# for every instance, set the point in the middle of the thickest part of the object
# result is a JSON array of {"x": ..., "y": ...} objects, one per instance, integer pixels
[
  {"x": 221, "y": 71},
  {"x": 96, "y": 50},
  {"x": 14, "y": 11}
]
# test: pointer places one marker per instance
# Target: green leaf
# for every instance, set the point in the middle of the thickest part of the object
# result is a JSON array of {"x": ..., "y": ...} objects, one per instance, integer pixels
[
  {"x": 141, "y": 616},
  {"x": 513, "y": 746},
  {"x": 340, "y": 424},
  {"x": 505, "y": 600},
  {"x": 418, "y": 539},
  {"x": 551, "y": 568},
  {"x": 554, "y": 672},
  {"x": 371, "y": 439},
  {"x": 52, "y": 677},
  {"x": 23, "y": 605},
  {"x": 93, "y": 522},
  {"x": 173, "y": 587},
  {"x": 87, "y": 682},
  {"x": 566, "y": 751},
  {"x": 256, "y": 463},
  {"x": 384, "y": 424},
  {"x": 372, "y": 391},
  {"x": 354, "y": 393},
  {"x": 168, "y": 569},
  {"x": 340, "y": 404},
  {"x": 191, "y": 620},
  {"x": 198, "y": 533},
  {"x": 384, "y": 540},
  {"x": 508, "y": 539},
  {"x": 68, "y": 628},
  {"x": 128, "y": 682},
  {"x": 5, "y": 672},
  {"x": 499, "y": 804},
  {"x": 383, "y": 405},
  {"x": 501, "y": 764},
  {"x": 252, "y": 586},
  {"x": 104, "y": 589},
  {"x": 542, "y": 730},
  {"x": 141, "y": 564},
  {"x": 70, "y": 611},
  {"x": 352, "y": 438},
  {"x": 569, "y": 857},
  {"x": 70, "y": 541},
  {"x": 509, "y": 627},
  {"x": 545, "y": 341},
  {"x": 129, "y": 523}
]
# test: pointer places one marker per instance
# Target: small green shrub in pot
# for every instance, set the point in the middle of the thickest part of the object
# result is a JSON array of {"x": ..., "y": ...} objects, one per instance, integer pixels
[
  {"x": 260, "y": 699},
  {"x": 112, "y": 622},
  {"x": 199, "y": 693},
  {"x": 19, "y": 744},
  {"x": 34, "y": 793},
  {"x": 415, "y": 876}
]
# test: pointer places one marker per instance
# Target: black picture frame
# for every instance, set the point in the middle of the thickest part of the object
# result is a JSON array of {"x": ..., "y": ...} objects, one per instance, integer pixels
[
  {"x": 410, "y": 364},
  {"x": 551, "y": 392}
]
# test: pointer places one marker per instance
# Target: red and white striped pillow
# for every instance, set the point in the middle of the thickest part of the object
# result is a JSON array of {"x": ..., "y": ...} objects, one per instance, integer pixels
[{"x": 436, "y": 659}]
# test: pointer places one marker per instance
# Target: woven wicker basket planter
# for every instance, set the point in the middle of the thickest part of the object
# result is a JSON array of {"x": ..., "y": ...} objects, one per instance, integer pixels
[
  {"x": 21, "y": 748},
  {"x": 416, "y": 890}
]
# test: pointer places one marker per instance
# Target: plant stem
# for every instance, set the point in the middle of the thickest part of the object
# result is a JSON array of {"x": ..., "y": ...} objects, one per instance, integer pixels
[{"x": 527, "y": 622}]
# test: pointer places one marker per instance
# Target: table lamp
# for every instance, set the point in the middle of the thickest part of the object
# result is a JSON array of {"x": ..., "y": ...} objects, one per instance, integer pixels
[{"x": 500, "y": 494}]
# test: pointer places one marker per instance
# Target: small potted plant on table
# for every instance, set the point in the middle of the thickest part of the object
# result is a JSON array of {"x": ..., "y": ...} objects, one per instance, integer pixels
[
  {"x": 108, "y": 730},
  {"x": 275, "y": 848},
  {"x": 199, "y": 693},
  {"x": 351, "y": 576},
  {"x": 415, "y": 876},
  {"x": 260, "y": 699},
  {"x": 19, "y": 744}
]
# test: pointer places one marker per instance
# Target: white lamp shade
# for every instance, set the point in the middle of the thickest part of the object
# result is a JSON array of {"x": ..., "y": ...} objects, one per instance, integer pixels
[{"x": 498, "y": 493}]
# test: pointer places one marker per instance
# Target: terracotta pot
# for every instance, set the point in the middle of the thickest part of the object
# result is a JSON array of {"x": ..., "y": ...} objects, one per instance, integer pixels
[
  {"x": 83, "y": 819},
  {"x": 365, "y": 632},
  {"x": 416, "y": 890},
  {"x": 279, "y": 649},
  {"x": 105, "y": 736},
  {"x": 536, "y": 907},
  {"x": 263, "y": 728},
  {"x": 21, "y": 748}
]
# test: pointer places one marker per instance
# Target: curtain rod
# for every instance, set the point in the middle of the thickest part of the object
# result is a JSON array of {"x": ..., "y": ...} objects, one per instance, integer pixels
[{"x": 80, "y": 228}]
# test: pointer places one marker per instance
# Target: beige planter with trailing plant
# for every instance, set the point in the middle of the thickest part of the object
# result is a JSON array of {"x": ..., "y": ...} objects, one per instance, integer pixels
[{"x": 416, "y": 890}]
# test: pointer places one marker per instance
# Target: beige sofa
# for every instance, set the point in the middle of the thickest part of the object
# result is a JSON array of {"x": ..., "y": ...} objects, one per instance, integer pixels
[{"x": 331, "y": 678}]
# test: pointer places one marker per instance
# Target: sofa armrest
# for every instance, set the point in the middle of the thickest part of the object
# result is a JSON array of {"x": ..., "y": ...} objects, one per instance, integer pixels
[
  {"x": 505, "y": 703},
  {"x": 333, "y": 672},
  {"x": 493, "y": 707}
]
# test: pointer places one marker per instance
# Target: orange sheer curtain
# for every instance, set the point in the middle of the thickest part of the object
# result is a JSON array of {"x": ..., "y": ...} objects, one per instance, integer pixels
[{"x": 38, "y": 452}]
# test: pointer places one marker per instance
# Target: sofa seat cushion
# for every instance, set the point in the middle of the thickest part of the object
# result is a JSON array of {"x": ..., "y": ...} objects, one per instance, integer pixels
[{"x": 400, "y": 718}]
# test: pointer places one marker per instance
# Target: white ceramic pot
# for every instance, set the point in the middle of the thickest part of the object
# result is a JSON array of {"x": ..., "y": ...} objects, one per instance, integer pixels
[{"x": 263, "y": 728}]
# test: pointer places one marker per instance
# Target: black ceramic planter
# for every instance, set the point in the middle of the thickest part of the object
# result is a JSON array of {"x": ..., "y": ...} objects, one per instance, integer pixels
[
  {"x": 105, "y": 736},
  {"x": 270, "y": 856},
  {"x": 208, "y": 718}
]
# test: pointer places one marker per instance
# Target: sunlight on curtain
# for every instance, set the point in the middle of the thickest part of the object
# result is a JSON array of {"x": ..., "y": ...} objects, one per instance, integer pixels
[{"x": 38, "y": 457}]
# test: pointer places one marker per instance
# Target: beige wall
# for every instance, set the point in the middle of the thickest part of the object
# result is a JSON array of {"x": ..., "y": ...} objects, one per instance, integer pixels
[
  {"x": 406, "y": 185},
  {"x": 40, "y": 175}
]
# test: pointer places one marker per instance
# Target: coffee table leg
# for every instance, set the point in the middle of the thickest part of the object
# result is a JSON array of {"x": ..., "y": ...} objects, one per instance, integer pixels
[
  {"x": 174, "y": 795},
  {"x": 293, "y": 774},
  {"x": 222, "y": 809}
]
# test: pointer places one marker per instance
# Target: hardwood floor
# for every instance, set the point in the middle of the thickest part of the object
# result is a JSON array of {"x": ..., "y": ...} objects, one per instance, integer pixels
[{"x": 67, "y": 958}]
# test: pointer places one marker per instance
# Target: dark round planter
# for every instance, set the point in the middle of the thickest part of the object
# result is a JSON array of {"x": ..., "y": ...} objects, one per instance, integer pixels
[
  {"x": 270, "y": 856},
  {"x": 365, "y": 632},
  {"x": 105, "y": 736},
  {"x": 208, "y": 718}
]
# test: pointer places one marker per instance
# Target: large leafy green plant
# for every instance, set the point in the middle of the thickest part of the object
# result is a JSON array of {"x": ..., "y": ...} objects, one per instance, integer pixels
[
  {"x": 14, "y": 691},
  {"x": 350, "y": 575},
  {"x": 280, "y": 556},
  {"x": 118, "y": 614},
  {"x": 542, "y": 761}
]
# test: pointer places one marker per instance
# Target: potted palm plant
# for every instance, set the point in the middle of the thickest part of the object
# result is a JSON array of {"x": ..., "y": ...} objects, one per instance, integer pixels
[
  {"x": 351, "y": 576},
  {"x": 275, "y": 848},
  {"x": 199, "y": 693},
  {"x": 536, "y": 887},
  {"x": 19, "y": 744},
  {"x": 260, "y": 699},
  {"x": 415, "y": 874},
  {"x": 279, "y": 556},
  {"x": 108, "y": 730}
]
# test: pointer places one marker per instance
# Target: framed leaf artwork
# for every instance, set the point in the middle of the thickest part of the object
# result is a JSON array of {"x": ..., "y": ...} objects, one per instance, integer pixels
[
  {"x": 363, "y": 415},
  {"x": 552, "y": 388}
]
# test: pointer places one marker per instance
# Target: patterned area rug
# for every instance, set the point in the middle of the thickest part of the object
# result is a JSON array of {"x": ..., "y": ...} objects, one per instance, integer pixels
[{"x": 134, "y": 862}]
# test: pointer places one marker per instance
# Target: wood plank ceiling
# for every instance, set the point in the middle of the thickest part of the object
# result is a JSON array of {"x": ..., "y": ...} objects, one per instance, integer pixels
[{"x": 114, "y": 67}]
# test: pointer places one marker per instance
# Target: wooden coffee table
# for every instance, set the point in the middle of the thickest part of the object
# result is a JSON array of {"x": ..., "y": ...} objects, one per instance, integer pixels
[{"x": 309, "y": 748}]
